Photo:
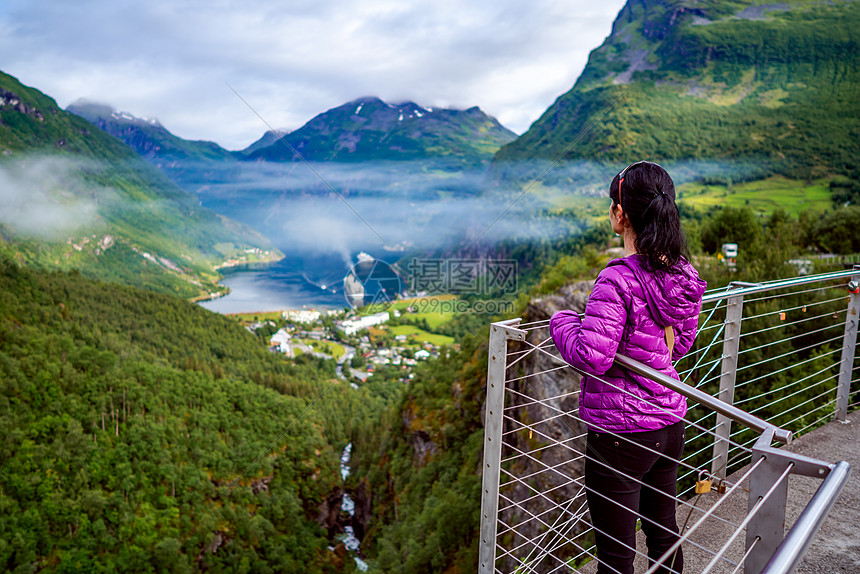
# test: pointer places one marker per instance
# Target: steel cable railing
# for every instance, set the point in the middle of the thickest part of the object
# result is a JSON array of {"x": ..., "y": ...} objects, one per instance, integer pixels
[
  {"x": 793, "y": 323},
  {"x": 620, "y": 436},
  {"x": 801, "y": 292},
  {"x": 534, "y": 510},
  {"x": 531, "y": 517}
]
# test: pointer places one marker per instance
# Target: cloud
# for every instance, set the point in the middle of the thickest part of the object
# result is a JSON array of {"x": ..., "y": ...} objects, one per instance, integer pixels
[
  {"x": 345, "y": 208},
  {"x": 293, "y": 60},
  {"x": 44, "y": 197}
]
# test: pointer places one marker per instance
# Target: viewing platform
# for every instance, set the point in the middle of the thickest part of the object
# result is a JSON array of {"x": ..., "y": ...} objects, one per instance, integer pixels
[{"x": 771, "y": 384}]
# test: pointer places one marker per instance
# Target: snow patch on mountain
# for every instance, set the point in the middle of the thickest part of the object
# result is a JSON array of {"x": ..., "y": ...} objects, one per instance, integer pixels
[{"x": 118, "y": 115}]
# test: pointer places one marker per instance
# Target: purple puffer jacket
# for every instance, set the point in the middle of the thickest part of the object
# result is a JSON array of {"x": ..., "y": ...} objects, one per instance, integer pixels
[{"x": 626, "y": 313}]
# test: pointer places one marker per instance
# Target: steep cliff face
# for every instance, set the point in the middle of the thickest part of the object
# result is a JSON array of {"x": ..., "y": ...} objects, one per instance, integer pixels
[{"x": 772, "y": 83}]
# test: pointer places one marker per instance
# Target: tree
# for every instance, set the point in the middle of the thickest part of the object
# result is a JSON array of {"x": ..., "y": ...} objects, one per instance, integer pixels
[
  {"x": 837, "y": 232},
  {"x": 731, "y": 225}
]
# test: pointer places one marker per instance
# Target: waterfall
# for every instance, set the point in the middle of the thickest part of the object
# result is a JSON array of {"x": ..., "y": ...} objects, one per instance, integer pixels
[{"x": 348, "y": 505}]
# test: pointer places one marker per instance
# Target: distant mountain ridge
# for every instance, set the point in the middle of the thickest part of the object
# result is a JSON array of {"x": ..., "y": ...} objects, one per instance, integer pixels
[
  {"x": 370, "y": 129},
  {"x": 697, "y": 79},
  {"x": 360, "y": 130},
  {"x": 267, "y": 139},
  {"x": 77, "y": 198},
  {"x": 147, "y": 136}
]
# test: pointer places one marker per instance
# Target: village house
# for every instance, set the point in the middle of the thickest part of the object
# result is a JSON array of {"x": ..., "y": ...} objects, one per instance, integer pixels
[
  {"x": 356, "y": 324},
  {"x": 302, "y": 315},
  {"x": 281, "y": 340}
]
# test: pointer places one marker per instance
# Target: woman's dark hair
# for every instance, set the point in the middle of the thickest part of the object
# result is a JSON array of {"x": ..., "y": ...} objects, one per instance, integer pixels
[{"x": 647, "y": 196}]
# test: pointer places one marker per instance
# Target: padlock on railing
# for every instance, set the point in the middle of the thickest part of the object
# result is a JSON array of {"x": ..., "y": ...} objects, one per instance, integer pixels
[
  {"x": 703, "y": 486},
  {"x": 853, "y": 287}
]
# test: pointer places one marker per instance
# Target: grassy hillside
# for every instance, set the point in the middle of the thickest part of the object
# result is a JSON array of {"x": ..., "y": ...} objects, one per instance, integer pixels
[
  {"x": 762, "y": 196},
  {"x": 774, "y": 85},
  {"x": 77, "y": 197}
]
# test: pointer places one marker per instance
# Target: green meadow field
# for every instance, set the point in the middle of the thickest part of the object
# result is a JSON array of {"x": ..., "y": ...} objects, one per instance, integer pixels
[{"x": 762, "y": 196}]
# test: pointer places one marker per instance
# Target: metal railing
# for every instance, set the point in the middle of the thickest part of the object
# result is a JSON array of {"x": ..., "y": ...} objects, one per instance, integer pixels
[{"x": 764, "y": 359}]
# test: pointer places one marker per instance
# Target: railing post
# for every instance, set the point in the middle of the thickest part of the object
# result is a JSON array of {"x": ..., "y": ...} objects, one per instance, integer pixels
[
  {"x": 731, "y": 345},
  {"x": 849, "y": 342},
  {"x": 767, "y": 528},
  {"x": 500, "y": 333},
  {"x": 799, "y": 538}
]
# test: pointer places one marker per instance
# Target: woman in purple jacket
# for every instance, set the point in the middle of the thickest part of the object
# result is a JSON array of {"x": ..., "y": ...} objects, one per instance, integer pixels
[{"x": 645, "y": 306}]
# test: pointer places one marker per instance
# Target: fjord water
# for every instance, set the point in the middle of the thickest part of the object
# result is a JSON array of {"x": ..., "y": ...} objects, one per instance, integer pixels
[
  {"x": 295, "y": 282},
  {"x": 402, "y": 205}
]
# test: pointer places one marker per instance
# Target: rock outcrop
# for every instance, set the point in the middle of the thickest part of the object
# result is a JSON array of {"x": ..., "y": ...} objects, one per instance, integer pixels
[
  {"x": 12, "y": 100},
  {"x": 329, "y": 513},
  {"x": 422, "y": 446},
  {"x": 363, "y": 510}
]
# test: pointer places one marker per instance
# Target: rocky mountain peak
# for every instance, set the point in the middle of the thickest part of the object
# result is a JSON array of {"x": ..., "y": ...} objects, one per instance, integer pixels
[
  {"x": 96, "y": 111},
  {"x": 369, "y": 128},
  {"x": 146, "y": 135}
]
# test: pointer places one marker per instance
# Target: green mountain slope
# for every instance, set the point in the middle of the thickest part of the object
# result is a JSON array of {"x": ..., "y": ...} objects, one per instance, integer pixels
[
  {"x": 146, "y": 136},
  {"x": 773, "y": 84},
  {"x": 126, "y": 415},
  {"x": 76, "y": 197},
  {"x": 267, "y": 139},
  {"x": 370, "y": 129}
]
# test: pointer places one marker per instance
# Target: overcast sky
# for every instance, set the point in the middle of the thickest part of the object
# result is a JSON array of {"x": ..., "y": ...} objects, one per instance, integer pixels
[{"x": 290, "y": 60}]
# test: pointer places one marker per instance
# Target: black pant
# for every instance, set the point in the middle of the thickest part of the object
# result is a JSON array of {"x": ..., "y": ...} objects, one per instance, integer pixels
[{"x": 616, "y": 501}]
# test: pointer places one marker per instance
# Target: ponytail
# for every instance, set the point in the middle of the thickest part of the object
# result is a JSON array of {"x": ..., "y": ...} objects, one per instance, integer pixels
[{"x": 646, "y": 193}]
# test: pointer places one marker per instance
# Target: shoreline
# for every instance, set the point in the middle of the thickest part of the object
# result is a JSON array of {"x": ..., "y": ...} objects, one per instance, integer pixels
[
  {"x": 236, "y": 264},
  {"x": 293, "y": 281},
  {"x": 321, "y": 310},
  {"x": 270, "y": 257},
  {"x": 210, "y": 296}
]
